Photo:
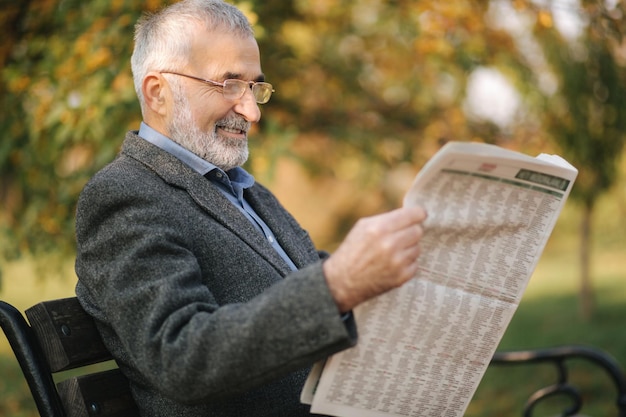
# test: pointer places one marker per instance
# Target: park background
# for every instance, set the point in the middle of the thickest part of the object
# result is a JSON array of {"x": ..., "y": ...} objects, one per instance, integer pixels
[{"x": 366, "y": 92}]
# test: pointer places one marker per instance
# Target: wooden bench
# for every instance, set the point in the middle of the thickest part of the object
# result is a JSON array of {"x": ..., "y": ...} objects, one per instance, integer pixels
[{"x": 60, "y": 336}]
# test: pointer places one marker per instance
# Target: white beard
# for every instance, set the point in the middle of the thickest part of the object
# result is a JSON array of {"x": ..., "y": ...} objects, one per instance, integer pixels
[{"x": 223, "y": 152}]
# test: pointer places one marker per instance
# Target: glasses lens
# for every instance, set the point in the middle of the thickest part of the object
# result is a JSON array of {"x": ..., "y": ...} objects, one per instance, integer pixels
[
  {"x": 262, "y": 92},
  {"x": 234, "y": 89}
]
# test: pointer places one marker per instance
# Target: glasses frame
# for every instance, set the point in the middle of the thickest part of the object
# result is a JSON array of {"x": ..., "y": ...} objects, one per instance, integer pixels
[{"x": 251, "y": 84}]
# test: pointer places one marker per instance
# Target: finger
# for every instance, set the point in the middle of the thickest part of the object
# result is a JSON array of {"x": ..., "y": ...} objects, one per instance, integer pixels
[
  {"x": 406, "y": 217},
  {"x": 412, "y": 262},
  {"x": 409, "y": 236}
]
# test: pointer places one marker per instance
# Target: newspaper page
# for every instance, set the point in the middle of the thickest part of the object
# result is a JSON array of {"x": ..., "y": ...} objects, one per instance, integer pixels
[{"x": 423, "y": 348}]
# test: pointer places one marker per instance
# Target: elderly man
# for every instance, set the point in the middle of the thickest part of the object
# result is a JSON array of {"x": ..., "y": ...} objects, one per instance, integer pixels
[{"x": 211, "y": 297}]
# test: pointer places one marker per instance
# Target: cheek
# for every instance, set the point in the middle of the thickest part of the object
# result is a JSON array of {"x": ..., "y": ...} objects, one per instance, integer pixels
[
  {"x": 207, "y": 116},
  {"x": 205, "y": 121}
]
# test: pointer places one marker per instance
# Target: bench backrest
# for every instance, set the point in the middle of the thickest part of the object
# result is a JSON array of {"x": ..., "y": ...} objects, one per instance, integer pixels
[{"x": 61, "y": 336}]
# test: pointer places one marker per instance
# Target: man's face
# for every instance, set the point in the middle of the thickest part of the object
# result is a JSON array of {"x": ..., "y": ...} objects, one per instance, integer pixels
[{"x": 202, "y": 120}]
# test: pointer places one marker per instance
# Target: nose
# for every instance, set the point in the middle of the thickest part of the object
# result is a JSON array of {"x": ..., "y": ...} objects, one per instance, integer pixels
[{"x": 247, "y": 107}]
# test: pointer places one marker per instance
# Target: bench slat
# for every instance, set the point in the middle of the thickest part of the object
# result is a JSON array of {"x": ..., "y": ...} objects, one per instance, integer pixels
[
  {"x": 102, "y": 394},
  {"x": 67, "y": 334}
]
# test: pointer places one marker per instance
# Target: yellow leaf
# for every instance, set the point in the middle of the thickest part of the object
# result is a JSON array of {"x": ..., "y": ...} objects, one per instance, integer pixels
[
  {"x": 102, "y": 57},
  {"x": 545, "y": 19},
  {"x": 19, "y": 84},
  {"x": 300, "y": 38}
]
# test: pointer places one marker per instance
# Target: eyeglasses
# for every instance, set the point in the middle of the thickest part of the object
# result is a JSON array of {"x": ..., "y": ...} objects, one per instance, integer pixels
[{"x": 234, "y": 89}]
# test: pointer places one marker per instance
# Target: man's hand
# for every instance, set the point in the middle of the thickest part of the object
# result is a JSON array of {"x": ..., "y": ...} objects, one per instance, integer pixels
[{"x": 379, "y": 253}]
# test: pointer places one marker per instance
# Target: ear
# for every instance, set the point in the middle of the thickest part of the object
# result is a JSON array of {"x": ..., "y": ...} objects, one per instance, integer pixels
[{"x": 155, "y": 90}]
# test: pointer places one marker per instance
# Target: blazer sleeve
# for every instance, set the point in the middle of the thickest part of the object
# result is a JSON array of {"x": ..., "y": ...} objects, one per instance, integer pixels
[{"x": 183, "y": 303}]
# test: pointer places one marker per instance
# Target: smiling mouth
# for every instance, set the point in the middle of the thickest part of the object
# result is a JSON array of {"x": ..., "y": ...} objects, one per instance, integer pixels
[
  {"x": 233, "y": 127},
  {"x": 232, "y": 130}
]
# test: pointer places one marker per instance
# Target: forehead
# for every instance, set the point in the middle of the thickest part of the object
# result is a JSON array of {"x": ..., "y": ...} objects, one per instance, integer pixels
[{"x": 217, "y": 53}]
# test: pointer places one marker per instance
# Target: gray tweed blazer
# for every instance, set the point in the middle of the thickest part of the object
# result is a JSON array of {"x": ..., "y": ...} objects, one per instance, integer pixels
[{"x": 200, "y": 312}]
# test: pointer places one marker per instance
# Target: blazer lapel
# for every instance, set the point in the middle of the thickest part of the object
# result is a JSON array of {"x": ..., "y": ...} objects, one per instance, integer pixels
[
  {"x": 294, "y": 240},
  {"x": 204, "y": 193}
]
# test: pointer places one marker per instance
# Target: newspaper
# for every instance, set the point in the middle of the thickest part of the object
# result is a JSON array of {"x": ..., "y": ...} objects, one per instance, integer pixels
[{"x": 423, "y": 348}]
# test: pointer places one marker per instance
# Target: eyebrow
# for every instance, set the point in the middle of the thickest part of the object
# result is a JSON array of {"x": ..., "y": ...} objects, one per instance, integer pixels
[{"x": 237, "y": 76}]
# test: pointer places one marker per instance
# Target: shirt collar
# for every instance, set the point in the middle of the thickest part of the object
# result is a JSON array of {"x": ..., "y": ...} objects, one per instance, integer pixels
[{"x": 237, "y": 175}]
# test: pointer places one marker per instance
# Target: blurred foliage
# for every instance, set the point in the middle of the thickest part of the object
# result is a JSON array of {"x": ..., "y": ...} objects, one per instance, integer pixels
[
  {"x": 379, "y": 79},
  {"x": 362, "y": 87},
  {"x": 584, "y": 111},
  {"x": 67, "y": 96},
  {"x": 587, "y": 115}
]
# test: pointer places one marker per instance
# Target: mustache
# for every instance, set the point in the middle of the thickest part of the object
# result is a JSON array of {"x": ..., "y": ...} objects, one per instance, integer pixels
[{"x": 235, "y": 123}]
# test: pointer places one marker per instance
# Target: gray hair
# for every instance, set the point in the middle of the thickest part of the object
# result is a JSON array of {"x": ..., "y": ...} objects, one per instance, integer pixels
[{"x": 163, "y": 39}]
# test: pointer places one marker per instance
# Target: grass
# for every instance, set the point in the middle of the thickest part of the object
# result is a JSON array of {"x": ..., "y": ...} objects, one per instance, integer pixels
[{"x": 547, "y": 316}]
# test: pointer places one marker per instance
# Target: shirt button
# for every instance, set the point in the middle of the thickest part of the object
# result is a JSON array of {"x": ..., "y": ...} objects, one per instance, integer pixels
[
  {"x": 271, "y": 239},
  {"x": 218, "y": 174}
]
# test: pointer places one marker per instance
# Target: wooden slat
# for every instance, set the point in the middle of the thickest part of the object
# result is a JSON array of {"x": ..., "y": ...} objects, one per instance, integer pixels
[
  {"x": 67, "y": 334},
  {"x": 102, "y": 394}
]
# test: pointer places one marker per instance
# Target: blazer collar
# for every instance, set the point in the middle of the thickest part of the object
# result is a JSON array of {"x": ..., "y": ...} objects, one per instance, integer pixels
[{"x": 206, "y": 195}]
